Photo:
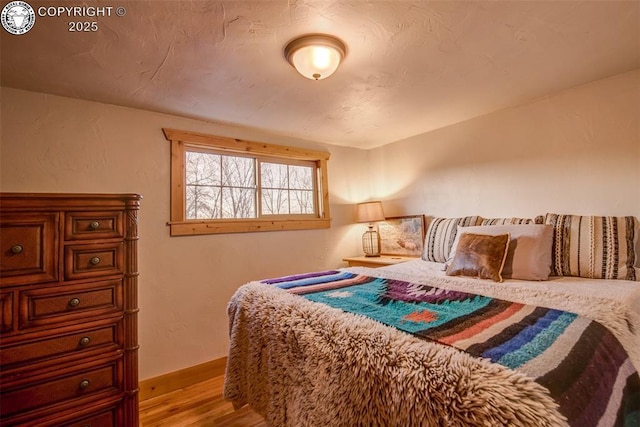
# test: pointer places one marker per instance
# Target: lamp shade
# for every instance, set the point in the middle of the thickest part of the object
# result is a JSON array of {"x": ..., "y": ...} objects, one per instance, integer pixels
[
  {"x": 315, "y": 56},
  {"x": 369, "y": 212}
]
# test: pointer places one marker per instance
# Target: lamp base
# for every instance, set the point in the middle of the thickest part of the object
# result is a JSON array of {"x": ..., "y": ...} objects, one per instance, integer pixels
[
  {"x": 371, "y": 243},
  {"x": 372, "y": 256}
]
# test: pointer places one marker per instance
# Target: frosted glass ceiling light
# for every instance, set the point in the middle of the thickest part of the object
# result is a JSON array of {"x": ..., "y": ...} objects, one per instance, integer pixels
[{"x": 315, "y": 56}]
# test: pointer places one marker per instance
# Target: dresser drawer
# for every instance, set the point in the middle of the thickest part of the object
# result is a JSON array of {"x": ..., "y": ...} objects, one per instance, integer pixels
[
  {"x": 69, "y": 303},
  {"x": 28, "y": 248},
  {"x": 68, "y": 388},
  {"x": 102, "y": 415},
  {"x": 103, "y": 419},
  {"x": 93, "y": 225},
  {"x": 73, "y": 345},
  {"x": 108, "y": 414},
  {"x": 6, "y": 312},
  {"x": 89, "y": 261}
]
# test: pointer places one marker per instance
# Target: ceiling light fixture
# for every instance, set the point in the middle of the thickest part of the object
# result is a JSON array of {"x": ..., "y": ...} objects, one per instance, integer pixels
[{"x": 315, "y": 56}]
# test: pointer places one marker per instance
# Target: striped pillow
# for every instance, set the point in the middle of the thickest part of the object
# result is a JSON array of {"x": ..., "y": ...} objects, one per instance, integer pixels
[
  {"x": 506, "y": 221},
  {"x": 596, "y": 247},
  {"x": 441, "y": 234}
]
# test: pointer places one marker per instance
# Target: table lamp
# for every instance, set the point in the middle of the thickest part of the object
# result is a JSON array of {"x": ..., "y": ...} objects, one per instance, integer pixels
[{"x": 370, "y": 212}]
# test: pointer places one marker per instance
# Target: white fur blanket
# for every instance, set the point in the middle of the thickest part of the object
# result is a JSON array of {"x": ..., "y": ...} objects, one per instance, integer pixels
[{"x": 299, "y": 363}]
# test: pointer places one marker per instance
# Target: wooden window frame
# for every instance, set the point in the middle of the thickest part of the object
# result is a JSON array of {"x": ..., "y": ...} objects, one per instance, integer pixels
[{"x": 180, "y": 226}]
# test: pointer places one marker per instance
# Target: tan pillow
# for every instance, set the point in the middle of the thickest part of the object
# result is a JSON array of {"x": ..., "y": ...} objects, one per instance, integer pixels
[
  {"x": 529, "y": 253},
  {"x": 480, "y": 255}
]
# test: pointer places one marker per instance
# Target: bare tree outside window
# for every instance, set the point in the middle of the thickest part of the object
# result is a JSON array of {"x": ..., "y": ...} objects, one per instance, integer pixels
[
  {"x": 203, "y": 195},
  {"x": 301, "y": 189},
  {"x": 274, "y": 178},
  {"x": 219, "y": 186},
  {"x": 239, "y": 187},
  {"x": 287, "y": 189}
]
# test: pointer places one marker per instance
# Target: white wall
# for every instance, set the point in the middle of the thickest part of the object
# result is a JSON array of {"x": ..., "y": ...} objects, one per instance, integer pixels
[
  {"x": 577, "y": 151},
  {"x": 574, "y": 152},
  {"x": 55, "y": 144}
]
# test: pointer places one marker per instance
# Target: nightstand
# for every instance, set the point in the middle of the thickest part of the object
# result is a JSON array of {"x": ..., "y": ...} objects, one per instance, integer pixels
[{"x": 380, "y": 261}]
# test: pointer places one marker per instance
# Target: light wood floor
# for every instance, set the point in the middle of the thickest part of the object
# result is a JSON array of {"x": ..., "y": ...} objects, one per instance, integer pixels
[{"x": 200, "y": 405}]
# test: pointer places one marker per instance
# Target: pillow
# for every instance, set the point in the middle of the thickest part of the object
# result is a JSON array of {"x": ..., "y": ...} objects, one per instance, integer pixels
[
  {"x": 480, "y": 255},
  {"x": 529, "y": 252},
  {"x": 440, "y": 236},
  {"x": 505, "y": 221},
  {"x": 596, "y": 247}
]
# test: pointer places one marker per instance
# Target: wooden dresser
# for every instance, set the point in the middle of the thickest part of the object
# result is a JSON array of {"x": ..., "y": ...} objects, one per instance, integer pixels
[{"x": 68, "y": 310}]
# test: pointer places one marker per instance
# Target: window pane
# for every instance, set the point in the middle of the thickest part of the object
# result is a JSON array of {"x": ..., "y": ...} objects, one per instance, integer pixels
[
  {"x": 219, "y": 186},
  {"x": 202, "y": 202},
  {"x": 301, "y": 202},
  {"x": 286, "y": 189},
  {"x": 238, "y": 172},
  {"x": 202, "y": 175},
  {"x": 275, "y": 202},
  {"x": 301, "y": 177},
  {"x": 238, "y": 202},
  {"x": 273, "y": 175},
  {"x": 202, "y": 168}
]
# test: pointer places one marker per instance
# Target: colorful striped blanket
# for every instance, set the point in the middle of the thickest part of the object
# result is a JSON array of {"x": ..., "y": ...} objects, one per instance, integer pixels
[{"x": 582, "y": 365}]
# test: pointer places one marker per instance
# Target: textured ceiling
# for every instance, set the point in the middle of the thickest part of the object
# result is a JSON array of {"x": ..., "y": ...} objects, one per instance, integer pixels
[{"x": 410, "y": 67}]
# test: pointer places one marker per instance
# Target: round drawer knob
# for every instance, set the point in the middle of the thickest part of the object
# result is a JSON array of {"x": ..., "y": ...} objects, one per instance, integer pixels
[
  {"x": 95, "y": 260},
  {"x": 74, "y": 302},
  {"x": 94, "y": 225},
  {"x": 84, "y": 384},
  {"x": 84, "y": 341},
  {"x": 16, "y": 249}
]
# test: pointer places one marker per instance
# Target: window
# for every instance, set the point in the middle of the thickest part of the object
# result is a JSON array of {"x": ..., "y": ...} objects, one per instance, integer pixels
[
  {"x": 219, "y": 185},
  {"x": 224, "y": 185}
]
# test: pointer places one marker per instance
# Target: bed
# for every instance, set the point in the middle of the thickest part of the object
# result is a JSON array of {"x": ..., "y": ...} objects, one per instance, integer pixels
[{"x": 416, "y": 344}]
